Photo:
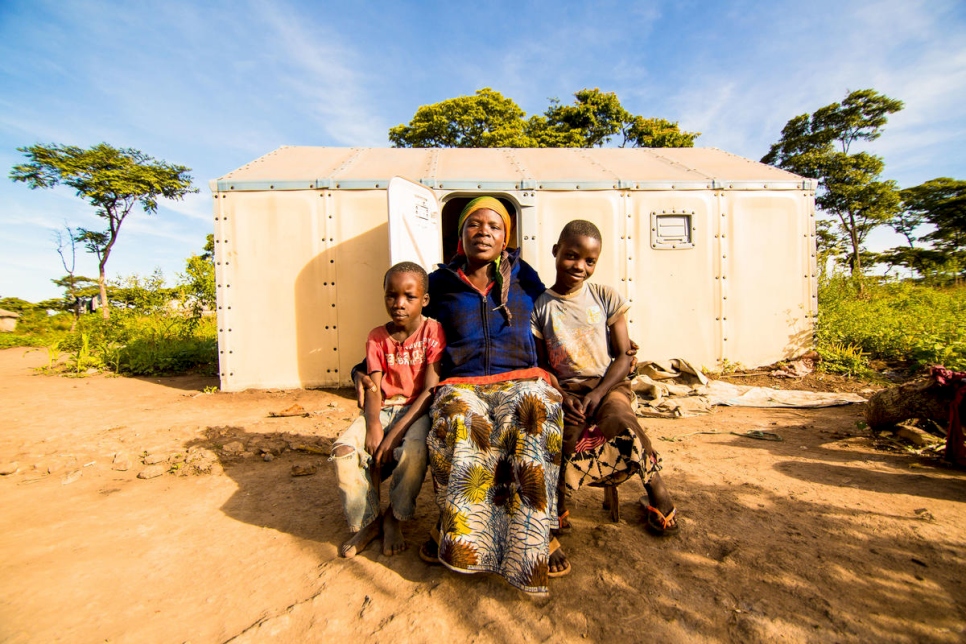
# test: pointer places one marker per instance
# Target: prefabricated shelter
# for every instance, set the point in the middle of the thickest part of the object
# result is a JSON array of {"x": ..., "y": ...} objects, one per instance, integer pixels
[{"x": 716, "y": 253}]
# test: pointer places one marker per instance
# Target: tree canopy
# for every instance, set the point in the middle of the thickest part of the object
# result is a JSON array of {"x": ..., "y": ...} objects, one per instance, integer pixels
[
  {"x": 488, "y": 119},
  {"x": 819, "y": 146},
  {"x": 940, "y": 204},
  {"x": 113, "y": 180}
]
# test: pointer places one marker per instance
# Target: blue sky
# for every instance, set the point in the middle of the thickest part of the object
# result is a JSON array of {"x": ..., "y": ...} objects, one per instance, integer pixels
[{"x": 213, "y": 85}]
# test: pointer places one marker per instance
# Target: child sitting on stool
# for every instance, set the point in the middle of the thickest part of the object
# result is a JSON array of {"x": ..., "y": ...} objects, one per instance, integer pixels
[{"x": 579, "y": 327}]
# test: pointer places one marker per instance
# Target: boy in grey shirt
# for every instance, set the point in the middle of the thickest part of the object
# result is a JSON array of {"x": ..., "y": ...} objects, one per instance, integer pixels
[{"x": 582, "y": 339}]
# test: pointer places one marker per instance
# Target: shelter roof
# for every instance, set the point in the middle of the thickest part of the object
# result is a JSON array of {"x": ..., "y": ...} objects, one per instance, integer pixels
[{"x": 302, "y": 167}]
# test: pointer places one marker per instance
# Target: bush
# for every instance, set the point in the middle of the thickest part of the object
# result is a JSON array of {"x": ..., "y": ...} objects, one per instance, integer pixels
[
  {"x": 140, "y": 344},
  {"x": 146, "y": 334},
  {"x": 893, "y": 321}
]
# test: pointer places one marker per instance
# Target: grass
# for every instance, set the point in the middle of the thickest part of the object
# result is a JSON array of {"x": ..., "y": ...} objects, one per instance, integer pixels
[
  {"x": 897, "y": 322},
  {"x": 130, "y": 342}
]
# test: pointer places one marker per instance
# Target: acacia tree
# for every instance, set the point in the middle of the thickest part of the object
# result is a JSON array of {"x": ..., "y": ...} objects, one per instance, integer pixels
[
  {"x": 819, "y": 146},
  {"x": 940, "y": 202},
  {"x": 488, "y": 119},
  {"x": 113, "y": 180},
  {"x": 485, "y": 120}
]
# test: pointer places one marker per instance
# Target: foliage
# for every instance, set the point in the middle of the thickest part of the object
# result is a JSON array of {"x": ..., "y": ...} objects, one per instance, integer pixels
[
  {"x": 146, "y": 335},
  {"x": 940, "y": 202},
  {"x": 891, "y": 320},
  {"x": 848, "y": 360},
  {"x": 113, "y": 180},
  {"x": 485, "y": 120},
  {"x": 197, "y": 284},
  {"x": 488, "y": 119},
  {"x": 850, "y": 188}
]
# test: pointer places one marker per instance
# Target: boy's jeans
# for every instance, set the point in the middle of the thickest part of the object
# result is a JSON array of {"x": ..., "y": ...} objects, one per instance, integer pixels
[{"x": 359, "y": 497}]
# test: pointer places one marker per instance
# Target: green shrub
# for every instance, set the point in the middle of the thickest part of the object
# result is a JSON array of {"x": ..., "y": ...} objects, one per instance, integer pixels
[
  {"x": 893, "y": 321},
  {"x": 145, "y": 334}
]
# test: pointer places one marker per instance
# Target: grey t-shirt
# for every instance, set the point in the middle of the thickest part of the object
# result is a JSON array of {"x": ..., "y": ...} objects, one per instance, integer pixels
[{"x": 575, "y": 329}]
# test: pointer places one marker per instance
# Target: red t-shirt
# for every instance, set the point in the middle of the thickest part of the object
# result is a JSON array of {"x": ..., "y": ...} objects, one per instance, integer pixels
[{"x": 403, "y": 364}]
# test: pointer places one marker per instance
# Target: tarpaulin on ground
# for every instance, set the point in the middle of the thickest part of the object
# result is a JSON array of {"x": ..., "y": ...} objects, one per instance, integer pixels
[{"x": 675, "y": 389}]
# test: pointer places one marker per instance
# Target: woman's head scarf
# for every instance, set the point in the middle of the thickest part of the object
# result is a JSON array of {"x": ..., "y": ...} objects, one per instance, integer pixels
[
  {"x": 482, "y": 203},
  {"x": 502, "y": 273}
]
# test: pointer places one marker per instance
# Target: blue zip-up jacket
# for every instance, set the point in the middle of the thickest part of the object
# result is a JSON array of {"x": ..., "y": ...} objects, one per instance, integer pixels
[{"x": 479, "y": 340}]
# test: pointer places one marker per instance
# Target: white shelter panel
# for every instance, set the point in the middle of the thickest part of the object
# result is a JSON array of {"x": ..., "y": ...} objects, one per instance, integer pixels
[
  {"x": 415, "y": 228},
  {"x": 361, "y": 258},
  {"x": 767, "y": 271},
  {"x": 273, "y": 291},
  {"x": 555, "y": 209},
  {"x": 675, "y": 297}
]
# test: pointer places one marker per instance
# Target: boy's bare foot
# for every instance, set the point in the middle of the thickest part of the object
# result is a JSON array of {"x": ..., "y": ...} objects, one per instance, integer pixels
[
  {"x": 358, "y": 542},
  {"x": 661, "y": 519},
  {"x": 392, "y": 537}
]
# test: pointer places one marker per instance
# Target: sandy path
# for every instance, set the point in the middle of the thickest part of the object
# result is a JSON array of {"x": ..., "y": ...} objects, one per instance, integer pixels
[{"x": 818, "y": 538}]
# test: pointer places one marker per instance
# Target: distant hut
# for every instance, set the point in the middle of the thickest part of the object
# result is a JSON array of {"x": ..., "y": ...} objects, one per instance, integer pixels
[{"x": 8, "y": 321}]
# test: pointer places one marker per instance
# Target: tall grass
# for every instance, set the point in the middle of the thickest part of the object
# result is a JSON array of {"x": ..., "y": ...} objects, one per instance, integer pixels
[
  {"x": 899, "y": 322},
  {"x": 145, "y": 334}
]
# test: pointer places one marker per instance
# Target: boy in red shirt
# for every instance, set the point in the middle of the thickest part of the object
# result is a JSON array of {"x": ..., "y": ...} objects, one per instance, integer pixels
[{"x": 402, "y": 359}]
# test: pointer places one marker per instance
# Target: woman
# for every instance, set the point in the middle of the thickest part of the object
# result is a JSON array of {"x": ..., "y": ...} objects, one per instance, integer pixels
[{"x": 495, "y": 443}]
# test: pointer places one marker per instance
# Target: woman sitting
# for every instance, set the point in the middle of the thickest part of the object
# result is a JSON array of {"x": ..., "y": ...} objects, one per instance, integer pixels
[{"x": 495, "y": 442}]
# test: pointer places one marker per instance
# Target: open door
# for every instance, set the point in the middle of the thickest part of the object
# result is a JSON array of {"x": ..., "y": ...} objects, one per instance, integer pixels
[{"x": 415, "y": 232}]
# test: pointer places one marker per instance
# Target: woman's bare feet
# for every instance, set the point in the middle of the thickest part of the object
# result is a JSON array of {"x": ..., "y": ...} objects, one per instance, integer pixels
[
  {"x": 358, "y": 542},
  {"x": 393, "y": 541}
]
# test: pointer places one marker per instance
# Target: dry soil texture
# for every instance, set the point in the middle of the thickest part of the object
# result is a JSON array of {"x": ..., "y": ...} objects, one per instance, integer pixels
[{"x": 819, "y": 538}]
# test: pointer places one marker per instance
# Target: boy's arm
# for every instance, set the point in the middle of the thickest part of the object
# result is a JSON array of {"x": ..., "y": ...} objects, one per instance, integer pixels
[
  {"x": 373, "y": 405},
  {"x": 419, "y": 407},
  {"x": 618, "y": 369},
  {"x": 362, "y": 382}
]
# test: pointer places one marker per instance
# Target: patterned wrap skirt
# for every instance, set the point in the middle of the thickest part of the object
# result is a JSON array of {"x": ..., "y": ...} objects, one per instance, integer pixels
[
  {"x": 613, "y": 448},
  {"x": 495, "y": 452}
]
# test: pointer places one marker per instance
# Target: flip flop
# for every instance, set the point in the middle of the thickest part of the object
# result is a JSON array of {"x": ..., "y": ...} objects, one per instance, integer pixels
[
  {"x": 554, "y": 547},
  {"x": 657, "y": 523},
  {"x": 563, "y": 520}
]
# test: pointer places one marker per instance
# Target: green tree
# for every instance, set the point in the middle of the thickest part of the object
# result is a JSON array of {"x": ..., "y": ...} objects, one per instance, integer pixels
[
  {"x": 485, "y": 120},
  {"x": 198, "y": 281},
  {"x": 940, "y": 202},
  {"x": 850, "y": 188},
  {"x": 113, "y": 180},
  {"x": 489, "y": 119}
]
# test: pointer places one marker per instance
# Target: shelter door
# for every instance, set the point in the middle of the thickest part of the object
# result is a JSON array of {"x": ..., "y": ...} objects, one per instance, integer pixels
[{"x": 415, "y": 232}]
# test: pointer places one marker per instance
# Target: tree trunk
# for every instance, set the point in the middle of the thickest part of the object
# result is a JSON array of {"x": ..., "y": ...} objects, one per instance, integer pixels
[
  {"x": 101, "y": 283},
  {"x": 923, "y": 399}
]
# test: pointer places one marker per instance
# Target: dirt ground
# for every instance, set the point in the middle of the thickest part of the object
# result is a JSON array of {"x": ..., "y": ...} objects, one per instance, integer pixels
[{"x": 819, "y": 538}]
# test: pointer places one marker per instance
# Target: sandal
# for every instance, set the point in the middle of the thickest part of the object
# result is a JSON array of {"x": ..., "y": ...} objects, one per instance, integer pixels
[
  {"x": 563, "y": 523},
  {"x": 658, "y": 524},
  {"x": 429, "y": 551},
  {"x": 554, "y": 547}
]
